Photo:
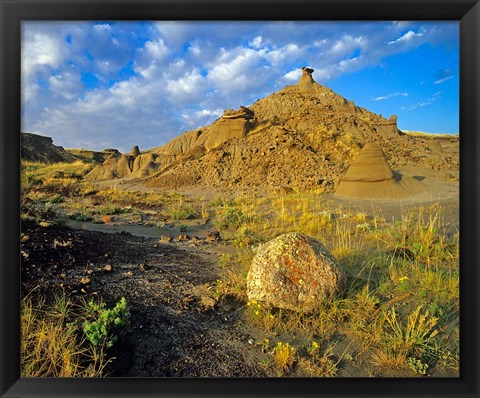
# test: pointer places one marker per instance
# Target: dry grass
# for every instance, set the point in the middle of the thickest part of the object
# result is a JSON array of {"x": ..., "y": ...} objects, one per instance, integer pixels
[
  {"x": 402, "y": 280},
  {"x": 51, "y": 344}
]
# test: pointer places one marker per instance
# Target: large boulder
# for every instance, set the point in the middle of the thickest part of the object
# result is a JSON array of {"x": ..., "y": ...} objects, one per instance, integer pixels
[{"x": 293, "y": 271}]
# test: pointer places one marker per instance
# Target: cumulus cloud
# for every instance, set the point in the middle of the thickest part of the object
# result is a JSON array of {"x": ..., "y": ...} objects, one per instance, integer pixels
[
  {"x": 187, "y": 88},
  {"x": 126, "y": 83},
  {"x": 346, "y": 45},
  {"x": 293, "y": 75},
  {"x": 256, "y": 43}
]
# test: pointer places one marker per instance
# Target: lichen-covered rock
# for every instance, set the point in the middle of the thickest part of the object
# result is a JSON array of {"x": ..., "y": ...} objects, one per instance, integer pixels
[{"x": 293, "y": 271}]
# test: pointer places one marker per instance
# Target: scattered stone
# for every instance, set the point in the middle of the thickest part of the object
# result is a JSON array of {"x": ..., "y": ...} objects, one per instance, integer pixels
[
  {"x": 144, "y": 266},
  {"x": 129, "y": 273},
  {"x": 107, "y": 268},
  {"x": 106, "y": 219},
  {"x": 183, "y": 237},
  {"x": 166, "y": 238},
  {"x": 213, "y": 236},
  {"x": 85, "y": 280},
  {"x": 293, "y": 271}
]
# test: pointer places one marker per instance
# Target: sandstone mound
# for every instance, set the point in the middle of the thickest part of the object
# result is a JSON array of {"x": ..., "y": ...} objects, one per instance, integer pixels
[
  {"x": 37, "y": 148},
  {"x": 369, "y": 166},
  {"x": 295, "y": 272},
  {"x": 133, "y": 165},
  {"x": 370, "y": 177}
]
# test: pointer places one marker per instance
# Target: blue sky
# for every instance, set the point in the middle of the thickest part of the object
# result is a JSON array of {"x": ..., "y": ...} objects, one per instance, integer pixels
[{"x": 104, "y": 84}]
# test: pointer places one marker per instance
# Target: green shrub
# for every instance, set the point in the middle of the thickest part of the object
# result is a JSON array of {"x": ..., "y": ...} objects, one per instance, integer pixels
[{"x": 107, "y": 324}]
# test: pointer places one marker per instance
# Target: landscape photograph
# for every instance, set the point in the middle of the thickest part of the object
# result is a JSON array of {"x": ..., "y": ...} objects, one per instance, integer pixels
[{"x": 224, "y": 199}]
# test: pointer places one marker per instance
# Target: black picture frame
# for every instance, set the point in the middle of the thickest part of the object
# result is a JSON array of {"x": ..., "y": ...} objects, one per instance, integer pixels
[{"x": 467, "y": 12}]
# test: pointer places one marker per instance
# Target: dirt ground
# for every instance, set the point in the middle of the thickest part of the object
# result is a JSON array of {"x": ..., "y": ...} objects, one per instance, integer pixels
[{"x": 178, "y": 328}]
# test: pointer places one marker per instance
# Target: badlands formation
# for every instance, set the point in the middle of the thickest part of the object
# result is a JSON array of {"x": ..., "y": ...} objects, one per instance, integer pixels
[{"x": 304, "y": 136}]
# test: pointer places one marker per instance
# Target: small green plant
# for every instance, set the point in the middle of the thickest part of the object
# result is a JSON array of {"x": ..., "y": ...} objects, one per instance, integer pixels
[
  {"x": 417, "y": 366},
  {"x": 232, "y": 217},
  {"x": 183, "y": 228},
  {"x": 106, "y": 324},
  {"x": 261, "y": 315},
  {"x": 416, "y": 335},
  {"x": 183, "y": 213},
  {"x": 83, "y": 216},
  {"x": 57, "y": 199},
  {"x": 312, "y": 349}
]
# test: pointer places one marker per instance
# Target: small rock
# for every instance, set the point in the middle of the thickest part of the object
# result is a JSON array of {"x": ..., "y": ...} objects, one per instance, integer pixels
[
  {"x": 214, "y": 236},
  {"x": 144, "y": 266},
  {"x": 166, "y": 238},
  {"x": 85, "y": 280},
  {"x": 106, "y": 219},
  {"x": 183, "y": 237},
  {"x": 107, "y": 268},
  {"x": 129, "y": 273},
  {"x": 207, "y": 302}
]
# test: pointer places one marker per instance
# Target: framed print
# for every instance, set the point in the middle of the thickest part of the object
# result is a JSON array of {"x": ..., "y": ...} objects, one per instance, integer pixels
[{"x": 239, "y": 198}]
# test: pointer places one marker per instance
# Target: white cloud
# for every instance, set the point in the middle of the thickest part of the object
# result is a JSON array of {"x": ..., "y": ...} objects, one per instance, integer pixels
[
  {"x": 279, "y": 55},
  {"x": 195, "y": 119},
  {"x": 428, "y": 101},
  {"x": 293, "y": 75},
  {"x": 156, "y": 49},
  {"x": 442, "y": 80},
  {"x": 187, "y": 88},
  {"x": 255, "y": 43},
  {"x": 235, "y": 70},
  {"x": 385, "y": 97},
  {"x": 66, "y": 85},
  {"x": 410, "y": 35},
  {"x": 104, "y": 27},
  {"x": 346, "y": 45},
  {"x": 40, "y": 49}
]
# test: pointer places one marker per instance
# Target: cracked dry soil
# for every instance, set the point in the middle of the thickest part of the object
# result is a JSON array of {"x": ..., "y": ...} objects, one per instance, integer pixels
[{"x": 177, "y": 329}]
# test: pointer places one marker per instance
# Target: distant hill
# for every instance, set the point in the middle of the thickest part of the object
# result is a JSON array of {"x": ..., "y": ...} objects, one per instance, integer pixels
[{"x": 38, "y": 148}]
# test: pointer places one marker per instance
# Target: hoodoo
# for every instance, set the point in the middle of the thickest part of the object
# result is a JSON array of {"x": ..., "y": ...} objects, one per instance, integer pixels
[
  {"x": 306, "y": 82},
  {"x": 370, "y": 176}
]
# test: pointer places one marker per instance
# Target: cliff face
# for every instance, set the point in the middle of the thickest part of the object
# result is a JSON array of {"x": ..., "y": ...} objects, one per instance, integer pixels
[{"x": 41, "y": 149}]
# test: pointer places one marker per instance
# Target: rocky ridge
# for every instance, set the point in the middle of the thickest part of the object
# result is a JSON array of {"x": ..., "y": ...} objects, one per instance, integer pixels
[{"x": 301, "y": 137}]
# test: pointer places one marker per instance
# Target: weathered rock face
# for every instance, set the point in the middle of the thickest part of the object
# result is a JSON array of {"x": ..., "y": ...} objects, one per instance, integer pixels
[
  {"x": 293, "y": 271},
  {"x": 233, "y": 124}
]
